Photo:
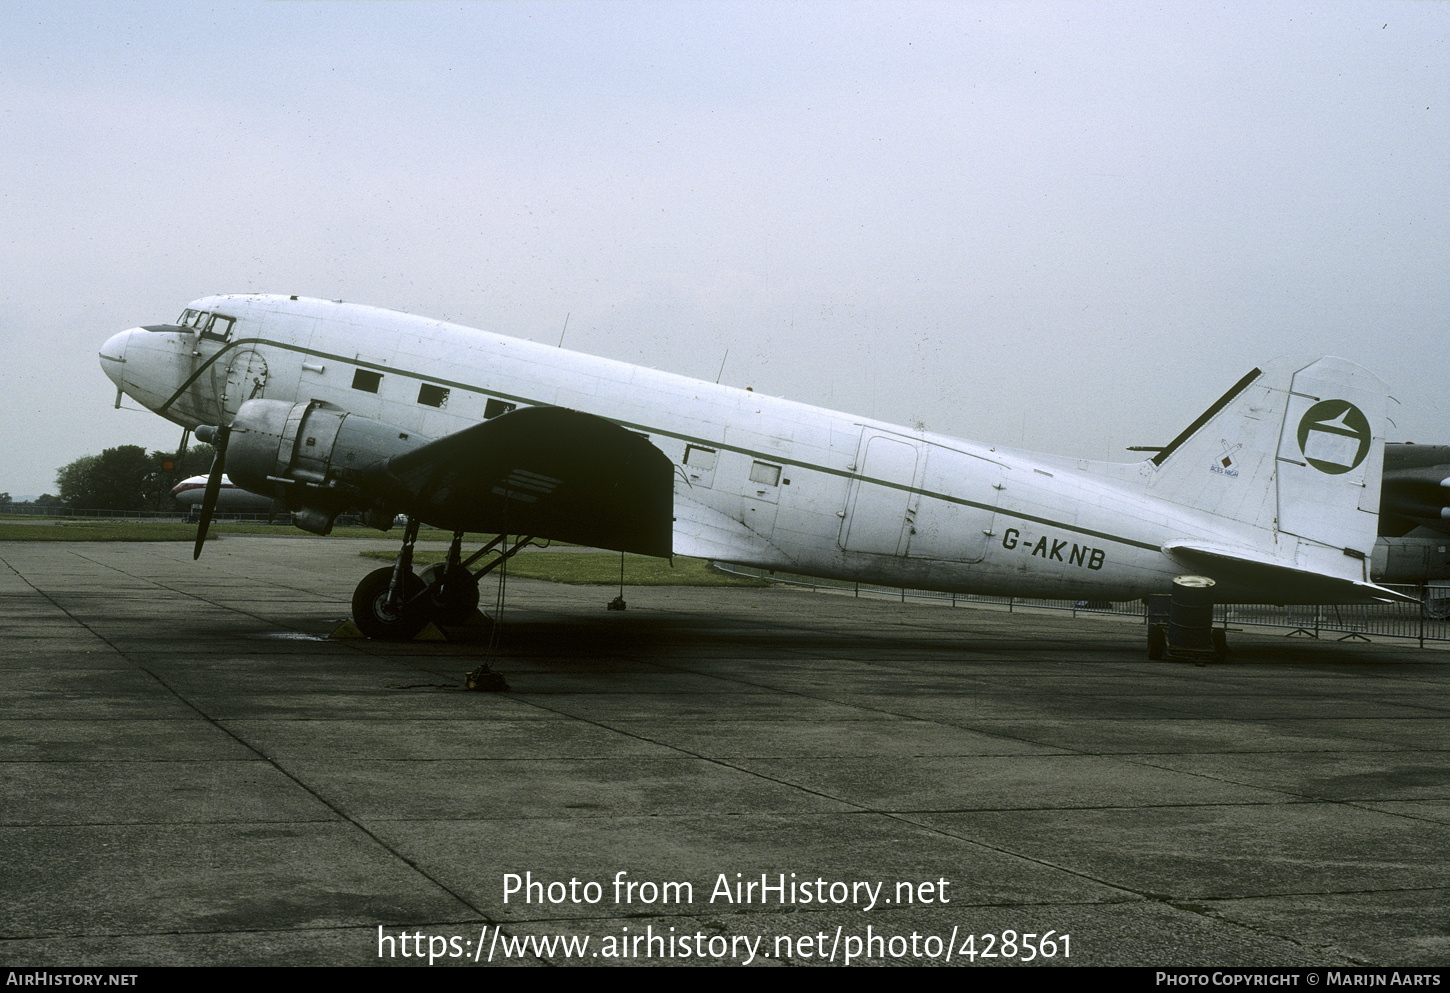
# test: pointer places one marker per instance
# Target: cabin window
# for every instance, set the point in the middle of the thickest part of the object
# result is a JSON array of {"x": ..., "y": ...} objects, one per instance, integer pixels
[
  {"x": 495, "y": 406},
  {"x": 765, "y": 473},
  {"x": 700, "y": 457},
  {"x": 433, "y": 396},
  {"x": 367, "y": 380}
]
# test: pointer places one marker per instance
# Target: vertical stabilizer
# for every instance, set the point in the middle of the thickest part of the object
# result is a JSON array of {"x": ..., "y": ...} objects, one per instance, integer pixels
[{"x": 1297, "y": 448}]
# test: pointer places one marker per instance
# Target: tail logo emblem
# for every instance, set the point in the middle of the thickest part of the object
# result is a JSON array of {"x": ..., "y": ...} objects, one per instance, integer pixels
[{"x": 1334, "y": 436}]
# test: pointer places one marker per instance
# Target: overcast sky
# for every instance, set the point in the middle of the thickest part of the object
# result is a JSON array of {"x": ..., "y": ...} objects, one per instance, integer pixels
[{"x": 1064, "y": 226}]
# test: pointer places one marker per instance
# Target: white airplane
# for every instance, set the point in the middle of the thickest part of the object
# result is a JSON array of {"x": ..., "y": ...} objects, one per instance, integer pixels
[
  {"x": 1272, "y": 493},
  {"x": 191, "y": 493}
]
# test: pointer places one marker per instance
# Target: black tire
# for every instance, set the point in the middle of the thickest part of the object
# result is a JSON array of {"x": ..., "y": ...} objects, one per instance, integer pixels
[
  {"x": 461, "y": 601},
  {"x": 372, "y": 616}
]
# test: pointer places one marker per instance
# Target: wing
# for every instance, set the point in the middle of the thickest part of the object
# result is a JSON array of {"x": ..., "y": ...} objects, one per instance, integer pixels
[{"x": 542, "y": 471}]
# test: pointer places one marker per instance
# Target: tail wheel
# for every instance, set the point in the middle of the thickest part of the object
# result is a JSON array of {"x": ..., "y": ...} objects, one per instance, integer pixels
[
  {"x": 376, "y": 619},
  {"x": 454, "y": 601}
]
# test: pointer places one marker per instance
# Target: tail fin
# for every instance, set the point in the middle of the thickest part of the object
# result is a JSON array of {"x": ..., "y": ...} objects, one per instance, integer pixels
[{"x": 1296, "y": 448}]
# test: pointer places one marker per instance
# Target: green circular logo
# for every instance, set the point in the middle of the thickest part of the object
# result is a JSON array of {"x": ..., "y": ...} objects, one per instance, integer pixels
[{"x": 1334, "y": 436}]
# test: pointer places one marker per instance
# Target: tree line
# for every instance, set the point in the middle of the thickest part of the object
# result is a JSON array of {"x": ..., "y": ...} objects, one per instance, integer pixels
[{"x": 128, "y": 478}]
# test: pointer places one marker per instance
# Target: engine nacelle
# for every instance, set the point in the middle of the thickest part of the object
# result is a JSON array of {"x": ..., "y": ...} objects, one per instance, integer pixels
[
  {"x": 1417, "y": 558},
  {"x": 310, "y": 456}
]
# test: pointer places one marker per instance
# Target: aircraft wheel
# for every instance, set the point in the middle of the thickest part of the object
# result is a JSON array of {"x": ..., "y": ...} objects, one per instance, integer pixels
[
  {"x": 461, "y": 601},
  {"x": 370, "y": 611},
  {"x": 1157, "y": 643}
]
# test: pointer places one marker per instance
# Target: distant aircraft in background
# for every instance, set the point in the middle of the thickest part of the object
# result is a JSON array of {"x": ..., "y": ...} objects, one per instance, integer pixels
[
  {"x": 1415, "y": 514},
  {"x": 191, "y": 492},
  {"x": 1273, "y": 493}
]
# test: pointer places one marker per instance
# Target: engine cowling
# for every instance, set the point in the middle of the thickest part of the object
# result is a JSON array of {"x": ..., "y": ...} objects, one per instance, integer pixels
[
  {"x": 311, "y": 456},
  {"x": 1416, "y": 490},
  {"x": 1414, "y": 559}
]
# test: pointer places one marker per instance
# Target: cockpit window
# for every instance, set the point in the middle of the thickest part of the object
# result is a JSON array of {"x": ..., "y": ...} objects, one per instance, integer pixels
[
  {"x": 215, "y": 326},
  {"x": 220, "y": 328}
]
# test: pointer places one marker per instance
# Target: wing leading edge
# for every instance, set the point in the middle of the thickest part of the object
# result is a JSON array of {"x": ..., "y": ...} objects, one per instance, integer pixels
[{"x": 542, "y": 471}]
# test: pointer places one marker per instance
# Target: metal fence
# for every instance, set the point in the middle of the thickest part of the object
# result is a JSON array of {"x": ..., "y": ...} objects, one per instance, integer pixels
[{"x": 1428, "y": 620}]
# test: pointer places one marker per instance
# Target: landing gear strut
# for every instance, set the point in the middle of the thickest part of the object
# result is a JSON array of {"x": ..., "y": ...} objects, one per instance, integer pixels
[
  {"x": 388, "y": 604},
  {"x": 394, "y": 604},
  {"x": 452, "y": 589}
]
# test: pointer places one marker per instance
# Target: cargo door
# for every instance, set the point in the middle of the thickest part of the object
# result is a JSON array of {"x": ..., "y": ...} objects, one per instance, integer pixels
[
  {"x": 957, "y": 507},
  {"x": 882, "y": 498}
]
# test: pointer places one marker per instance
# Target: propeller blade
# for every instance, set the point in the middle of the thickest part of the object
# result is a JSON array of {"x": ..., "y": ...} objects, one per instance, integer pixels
[{"x": 213, "y": 486}]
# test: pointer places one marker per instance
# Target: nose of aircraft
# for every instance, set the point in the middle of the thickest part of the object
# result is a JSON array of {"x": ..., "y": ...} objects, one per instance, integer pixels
[{"x": 113, "y": 356}]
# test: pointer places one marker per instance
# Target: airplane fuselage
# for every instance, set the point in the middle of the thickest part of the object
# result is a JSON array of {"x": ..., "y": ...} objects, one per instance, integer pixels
[
  {"x": 190, "y": 492},
  {"x": 760, "y": 480}
]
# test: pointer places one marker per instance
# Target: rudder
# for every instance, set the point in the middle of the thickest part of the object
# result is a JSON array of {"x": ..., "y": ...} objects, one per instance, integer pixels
[{"x": 1331, "y": 455}]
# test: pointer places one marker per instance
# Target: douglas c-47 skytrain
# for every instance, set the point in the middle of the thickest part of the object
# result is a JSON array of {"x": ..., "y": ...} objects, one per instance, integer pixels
[{"x": 1273, "y": 493}]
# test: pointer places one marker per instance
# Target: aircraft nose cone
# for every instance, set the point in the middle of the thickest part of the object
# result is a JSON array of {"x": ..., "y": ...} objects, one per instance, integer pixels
[{"x": 113, "y": 355}]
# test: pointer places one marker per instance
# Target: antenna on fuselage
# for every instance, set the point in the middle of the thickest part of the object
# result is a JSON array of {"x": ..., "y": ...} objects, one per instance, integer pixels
[
  {"x": 562, "y": 333},
  {"x": 722, "y": 367}
]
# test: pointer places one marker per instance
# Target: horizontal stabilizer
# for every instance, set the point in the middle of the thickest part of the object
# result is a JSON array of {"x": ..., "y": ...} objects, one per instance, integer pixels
[{"x": 1245, "y": 568}]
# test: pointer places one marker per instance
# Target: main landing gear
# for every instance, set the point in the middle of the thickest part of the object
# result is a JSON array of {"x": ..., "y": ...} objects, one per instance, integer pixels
[{"x": 394, "y": 603}]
